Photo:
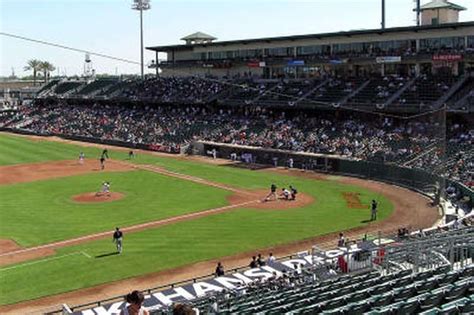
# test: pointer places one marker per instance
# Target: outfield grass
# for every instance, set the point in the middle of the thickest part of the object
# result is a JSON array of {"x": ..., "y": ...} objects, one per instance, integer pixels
[
  {"x": 19, "y": 150},
  {"x": 177, "y": 244}
]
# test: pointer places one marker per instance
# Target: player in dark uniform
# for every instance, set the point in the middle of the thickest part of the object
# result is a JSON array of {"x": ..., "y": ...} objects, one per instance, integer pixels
[
  {"x": 117, "y": 239},
  {"x": 373, "y": 210},
  {"x": 102, "y": 163},
  {"x": 293, "y": 193},
  {"x": 105, "y": 154},
  {"x": 273, "y": 189},
  {"x": 219, "y": 270},
  {"x": 131, "y": 155}
]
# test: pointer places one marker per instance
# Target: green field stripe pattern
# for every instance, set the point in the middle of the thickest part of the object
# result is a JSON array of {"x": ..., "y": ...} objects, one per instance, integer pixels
[{"x": 20, "y": 150}]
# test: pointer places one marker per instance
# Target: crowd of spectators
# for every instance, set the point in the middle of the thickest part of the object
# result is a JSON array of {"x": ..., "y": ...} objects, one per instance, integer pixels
[
  {"x": 177, "y": 89},
  {"x": 417, "y": 143},
  {"x": 324, "y": 89}
]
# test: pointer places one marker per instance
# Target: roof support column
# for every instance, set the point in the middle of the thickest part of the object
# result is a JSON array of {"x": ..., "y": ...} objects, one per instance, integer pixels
[{"x": 156, "y": 63}]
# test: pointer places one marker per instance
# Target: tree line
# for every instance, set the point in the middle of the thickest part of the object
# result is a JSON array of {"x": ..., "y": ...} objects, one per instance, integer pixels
[{"x": 36, "y": 66}]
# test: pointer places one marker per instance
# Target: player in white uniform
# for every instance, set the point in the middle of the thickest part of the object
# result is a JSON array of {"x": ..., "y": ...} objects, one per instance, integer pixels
[
  {"x": 285, "y": 194},
  {"x": 106, "y": 188},
  {"x": 81, "y": 158}
]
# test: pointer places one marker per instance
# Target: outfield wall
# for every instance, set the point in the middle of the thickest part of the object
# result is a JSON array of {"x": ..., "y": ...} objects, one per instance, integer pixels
[{"x": 118, "y": 143}]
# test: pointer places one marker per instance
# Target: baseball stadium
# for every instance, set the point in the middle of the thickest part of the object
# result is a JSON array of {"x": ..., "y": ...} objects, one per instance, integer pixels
[{"x": 326, "y": 173}]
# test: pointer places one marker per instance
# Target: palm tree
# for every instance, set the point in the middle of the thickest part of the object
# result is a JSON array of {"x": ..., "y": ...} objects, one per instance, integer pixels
[
  {"x": 46, "y": 67},
  {"x": 33, "y": 64}
]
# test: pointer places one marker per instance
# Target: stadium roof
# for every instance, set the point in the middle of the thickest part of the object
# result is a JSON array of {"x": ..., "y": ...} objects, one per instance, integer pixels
[
  {"x": 441, "y": 4},
  {"x": 314, "y": 36},
  {"x": 198, "y": 35}
]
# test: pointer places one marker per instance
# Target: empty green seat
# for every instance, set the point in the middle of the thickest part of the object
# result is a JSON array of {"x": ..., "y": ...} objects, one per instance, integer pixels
[
  {"x": 454, "y": 306},
  {"x": 382, "y": 300},
  {"x": 404, "y": 293},
  {"x": 457, "y": 291},
  {"x": 432, "y": 311},
  {"x": 468, "y": 308}
]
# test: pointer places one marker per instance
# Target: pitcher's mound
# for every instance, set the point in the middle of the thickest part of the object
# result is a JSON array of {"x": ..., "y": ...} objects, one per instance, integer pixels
[{"x": 94, "y": 197}]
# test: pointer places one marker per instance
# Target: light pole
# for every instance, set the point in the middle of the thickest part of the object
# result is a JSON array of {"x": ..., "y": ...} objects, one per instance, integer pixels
[{"x": 141, "y": 5}]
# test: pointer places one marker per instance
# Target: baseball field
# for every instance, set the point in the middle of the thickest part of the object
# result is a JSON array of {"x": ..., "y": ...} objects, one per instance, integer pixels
[{"x": 179, "y": 216}]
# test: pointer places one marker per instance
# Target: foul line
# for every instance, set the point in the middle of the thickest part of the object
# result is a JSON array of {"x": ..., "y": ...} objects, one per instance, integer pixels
[
  {"x": 45, "y": 260},
  {"x": 147, "y": 224},
  {"x": 194, "y": 179},
  {"x": 128, "y": 229}
]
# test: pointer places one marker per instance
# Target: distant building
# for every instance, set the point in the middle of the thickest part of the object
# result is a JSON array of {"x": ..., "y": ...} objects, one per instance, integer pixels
[
  {"x": 440, "y": 12},
  {"x": 198, "y": 38},
  {"x": 428, "y": 49}
]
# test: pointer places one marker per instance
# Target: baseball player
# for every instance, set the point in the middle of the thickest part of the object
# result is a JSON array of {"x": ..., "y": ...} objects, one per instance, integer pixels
[
  {"x": 373, "y": 210},
  {"x": 106, "y": 188},
  {"x": 105, "y": 154},
  {"x": 272, "y": 193},
  {"x": 285, "y": 194},
  {"x": 293, "y": 193},
  {"x": 117, "y": 239},
  {"x": 102, "y": 162},
  {"x": 131, "y": 155},
  {"x": 81, "y": 158}
]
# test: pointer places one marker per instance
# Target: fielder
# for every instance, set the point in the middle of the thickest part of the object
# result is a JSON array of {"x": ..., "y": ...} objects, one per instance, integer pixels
[
  {"x": 373, "y": 210},
  {"x": 81, "y": 158},
  {"x": 117, "y": 239}
]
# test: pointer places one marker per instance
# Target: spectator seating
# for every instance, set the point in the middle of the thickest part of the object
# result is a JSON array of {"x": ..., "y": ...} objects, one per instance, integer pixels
[
  {"x": 403, "y": 292},
  {"x": 379, "y": 90},
  {"x": 335, "y": 90},
  {"x": 67, "y": 86},
  {"x": 288, "y": 92},
  {"x": 426, "y": 91},
  {"x": 95, "y": 86},
  {"x": 47, "y": 86}
]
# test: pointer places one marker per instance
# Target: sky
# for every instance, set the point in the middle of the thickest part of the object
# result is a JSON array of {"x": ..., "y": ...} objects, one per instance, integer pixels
[{"x": 111, "y": 27}]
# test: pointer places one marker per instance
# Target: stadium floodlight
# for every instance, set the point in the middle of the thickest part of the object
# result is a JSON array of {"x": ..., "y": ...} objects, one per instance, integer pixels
[{"x": 141, "y": 5}]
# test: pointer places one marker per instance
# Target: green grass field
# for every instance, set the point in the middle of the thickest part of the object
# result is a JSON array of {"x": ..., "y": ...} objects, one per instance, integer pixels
[{"x": 41, "y": 212}]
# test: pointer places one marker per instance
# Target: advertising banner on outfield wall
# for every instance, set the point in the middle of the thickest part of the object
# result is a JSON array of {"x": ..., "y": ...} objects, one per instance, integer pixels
[
  {"x": 294, "y": 63},
  {"x": 236, "y": 280},
  {"x": 256, "y": 64},
  {"x": 388, "y": 59},
  {"x": 449, "y": 58}
]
